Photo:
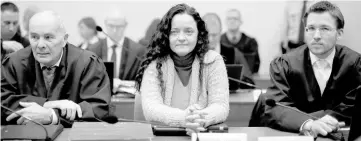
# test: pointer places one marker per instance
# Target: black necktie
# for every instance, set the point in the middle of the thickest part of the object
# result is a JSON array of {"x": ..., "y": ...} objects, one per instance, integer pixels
[{"x": 114, "y": 59}]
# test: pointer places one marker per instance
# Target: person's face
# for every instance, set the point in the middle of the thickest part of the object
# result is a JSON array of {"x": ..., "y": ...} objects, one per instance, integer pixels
[
  {"x": 321, "y": 33},
  {"x": 9, "y": 24},
  {"x": 183, "y": 35},
  {"x": 115, "y": 27},
  {"x": 47, "y": 41},
  {"x": 85, "y": 32},
  {"x": 233, "y": 20},
  {"x": 214, "y": 35}
]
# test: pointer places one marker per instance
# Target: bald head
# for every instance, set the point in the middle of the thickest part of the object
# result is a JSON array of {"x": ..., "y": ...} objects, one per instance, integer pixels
[
  {"x": 212, "y": 20},
  {"x": 115, "y": 23},
  {"x": 47, "y": 19},
  {"x": 47, "y": 37},
  {"x": 233, "y": 20},
  {"x": 214, "y": 27},
  {"x": 115, "y": 14}
]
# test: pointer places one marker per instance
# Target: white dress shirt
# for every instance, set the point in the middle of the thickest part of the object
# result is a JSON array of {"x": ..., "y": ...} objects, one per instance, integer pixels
[
  {"x": 322, "y": 68},
  {"x": 91, "y": 41},
  {"x": 118, "y": 52}
]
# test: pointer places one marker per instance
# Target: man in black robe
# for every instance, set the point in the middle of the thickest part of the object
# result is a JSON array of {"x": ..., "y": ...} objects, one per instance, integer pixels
[
  {"x": 318, "y": 78},
  {"x": 53, "y": 81}
]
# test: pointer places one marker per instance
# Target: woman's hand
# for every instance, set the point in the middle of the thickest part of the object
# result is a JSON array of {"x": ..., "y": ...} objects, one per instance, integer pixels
[{"x": 195, "y": 120}]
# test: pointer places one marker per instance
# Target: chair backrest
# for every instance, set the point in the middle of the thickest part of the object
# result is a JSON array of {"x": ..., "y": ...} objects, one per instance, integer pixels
[
  {"x": 138, "y": 110},
  {"x": 234, "y": 71},
  {"x": 109, "y": 66}
]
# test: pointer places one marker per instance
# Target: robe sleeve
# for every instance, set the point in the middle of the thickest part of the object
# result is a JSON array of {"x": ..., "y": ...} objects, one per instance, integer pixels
[
  {"x": 94, "y": 91},
  {"x": 279, "y": 117},
  {"x": 344, "y": 110},
  {"x": 10, "y": 93}
]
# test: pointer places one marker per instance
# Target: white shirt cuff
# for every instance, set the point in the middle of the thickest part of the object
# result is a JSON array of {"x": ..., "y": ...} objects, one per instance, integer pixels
[
  {"x": 303, "y": 124},
  {"x": 55, "y": 117}
]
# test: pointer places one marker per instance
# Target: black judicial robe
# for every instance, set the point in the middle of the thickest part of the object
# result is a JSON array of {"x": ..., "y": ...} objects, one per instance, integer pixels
[
  {"x": 80, "y": 77},
  {"x": 295, "y": 85},
  {"x": 355, "y": 128}
]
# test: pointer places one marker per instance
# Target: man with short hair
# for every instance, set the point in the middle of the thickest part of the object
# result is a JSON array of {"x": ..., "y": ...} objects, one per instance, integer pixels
[
  {"x": 11, "y": 39},
  {"x": 53, "y": 81},
  {"x": 87, "y": 29},
  {"x": 318, "y": 78},
  {"x": 124, "y": 52},
  {"x": 232, "y": 55},
  {"x": 234, "y": 38}
]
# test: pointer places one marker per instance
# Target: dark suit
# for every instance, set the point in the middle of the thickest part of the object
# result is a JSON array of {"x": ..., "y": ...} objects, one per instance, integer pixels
[
  {"x": 17, "y": 37},
  {"x": 132, "y": 55},
  {"x": 295, "y": 85},
  {"x": 81, "y": 77},
  {"x": 248, "y": 47}
]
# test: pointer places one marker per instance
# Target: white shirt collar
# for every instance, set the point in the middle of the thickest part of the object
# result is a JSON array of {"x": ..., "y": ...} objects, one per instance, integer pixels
[
  {"x": 57, "y": 63},
  {"x": 110, "y": 42},
  {"x": 93, "y": 40},
  {"x": 329, "y": 58}
]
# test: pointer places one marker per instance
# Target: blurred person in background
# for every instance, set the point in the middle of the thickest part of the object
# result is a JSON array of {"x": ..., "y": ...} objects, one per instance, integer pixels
[
  {"x": 87, "y": 30},
  {"x": 235, "y": 38},
  {"x": 124, "y": 52},
  {"x": 214, "y": 27},
  {"x": 11, "y": 39},
  {"x": 149, "y": 33}
]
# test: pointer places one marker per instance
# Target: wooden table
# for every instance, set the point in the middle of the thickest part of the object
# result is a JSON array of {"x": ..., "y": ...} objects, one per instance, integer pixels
[
  {"x": 241, "y": 106},
  {"x": 252, "y": 134}
]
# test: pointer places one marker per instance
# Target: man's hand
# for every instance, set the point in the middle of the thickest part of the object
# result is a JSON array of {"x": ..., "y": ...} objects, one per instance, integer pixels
[
  {"x": 318, "y": 127},
  {"x": 12, "y": 46},
  {"x": 33, "y": 111},
  {"x": 333, "y": 122},
  {"x": 68, "y": 108}
]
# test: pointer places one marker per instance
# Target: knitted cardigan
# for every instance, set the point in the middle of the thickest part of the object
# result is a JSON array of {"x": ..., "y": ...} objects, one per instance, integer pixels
[{"x": 212, "y": 97}]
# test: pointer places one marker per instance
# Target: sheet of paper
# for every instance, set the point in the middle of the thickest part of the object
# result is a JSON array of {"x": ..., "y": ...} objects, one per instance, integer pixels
[
  {"x": 220, "y": 137},
  {"x": 286, "y": 138}
]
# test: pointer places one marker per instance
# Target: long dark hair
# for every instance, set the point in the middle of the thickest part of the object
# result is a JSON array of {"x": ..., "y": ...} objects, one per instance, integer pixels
[{"x": 159, "y": 47}]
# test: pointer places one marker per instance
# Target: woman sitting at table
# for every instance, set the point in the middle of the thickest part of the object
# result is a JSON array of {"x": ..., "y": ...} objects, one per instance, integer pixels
[{"x": 181, "y": 82}]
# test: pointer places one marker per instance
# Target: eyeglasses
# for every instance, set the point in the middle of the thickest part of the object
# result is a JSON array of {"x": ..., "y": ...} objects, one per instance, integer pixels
[{"x": 322, "y": 30}]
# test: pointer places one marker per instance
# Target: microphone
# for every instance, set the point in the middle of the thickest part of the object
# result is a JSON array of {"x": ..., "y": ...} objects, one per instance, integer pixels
[
  {"x": 41, "y": 125},
  {"x": 99, "y": 29},
  {"x": 244, "y": 83},
  {"x": 273, "y": 103}
]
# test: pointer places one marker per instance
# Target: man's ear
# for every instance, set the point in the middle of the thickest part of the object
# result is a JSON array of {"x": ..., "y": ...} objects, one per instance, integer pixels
[
  {"x": 65, "y": 39},
  {"x": 339, "y": 34}
]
